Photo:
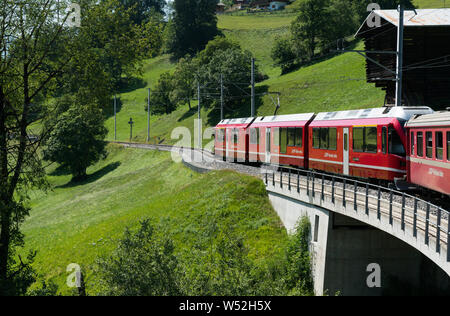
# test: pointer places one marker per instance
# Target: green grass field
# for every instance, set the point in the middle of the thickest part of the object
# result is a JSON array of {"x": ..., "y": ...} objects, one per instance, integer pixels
[
  {"x": 332, "y": 84},
  {"x": 431, "y": 4},
  {"x": 77, "y": 223}
]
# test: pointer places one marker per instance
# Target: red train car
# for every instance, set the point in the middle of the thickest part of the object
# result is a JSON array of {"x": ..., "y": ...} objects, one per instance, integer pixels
[
  {"x": 429, "y": 151},
  {"x": 366, "y": 143},
  {"x": 280, "y": 139},
  {"x": 232, "y": 139}
]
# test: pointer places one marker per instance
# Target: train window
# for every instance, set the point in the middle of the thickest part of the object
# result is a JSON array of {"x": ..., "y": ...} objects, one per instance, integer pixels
[
  {"x": 429, "y": 141},
  {"x": 254, "y": 136},
  {"x": 448, "y": 146},
  {"x": 299, "y": 137},
  {"x": 395, "y": 143},
  {"x": 324, "y": 138},
  {"x": 316, "y": 137},
  {"x": 291, "y": 137},
  {"x": 283, "y": 140},
  {"x": 420, "y": 144},
  {"x": 384, "y": 140},
  {"x": 413, "y": 143},
  {"x": 235, "y": 136},
  {"x": 333, "y": 139},
  {"x": 371, "y": 139},
  {"x": 439, "y": 145},
  {"x": 276, "y": 136},
  {"x": 358, "y": 139},
  {"x": 219, "y": 136}
]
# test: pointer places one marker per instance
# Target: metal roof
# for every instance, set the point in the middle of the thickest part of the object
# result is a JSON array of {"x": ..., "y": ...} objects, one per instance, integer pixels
[
  {"x": 236, "y": 121},
  {"x": 436, "y": 119},
  {"x": 284, "y": 118},
  {"x": 400, "y": 112},
  {"x": 424, "y": 17}
]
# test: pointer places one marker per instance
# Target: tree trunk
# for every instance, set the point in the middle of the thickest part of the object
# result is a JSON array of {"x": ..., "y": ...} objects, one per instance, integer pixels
[
  {"x": 4, "y": 203},
  {"x": 80, "y": 175}
]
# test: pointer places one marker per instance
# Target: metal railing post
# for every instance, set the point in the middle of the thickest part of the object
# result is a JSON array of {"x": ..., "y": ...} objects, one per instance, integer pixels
[
  {"x": 323, "y": 188},
  {"x": 332, "y": 191},
  {"x": 403, "y": 211},
  {"x": 344, "y": 203},
  {"x": 298, "y": 181},
  {"x": 313, "y": 185},
  {"x": 415, "y": 219},
  {"x": 289, "y": 182},
  {"x": 281, "y": 178},
  {"x": 355, "y": 197},
  {"x": 438, "y": 231},
  {"x": 367, "y": 198},
  {"x": 427, "y": 226},
  {"x": 391, "y": 217},
  {"x": 379, "y": 204},
  {"x": 448, "y": 237},
  {"x": 307, "y": 183}
]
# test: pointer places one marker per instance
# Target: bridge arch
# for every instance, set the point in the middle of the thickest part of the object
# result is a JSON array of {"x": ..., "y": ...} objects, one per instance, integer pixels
[{"x": 322, "y": 197}]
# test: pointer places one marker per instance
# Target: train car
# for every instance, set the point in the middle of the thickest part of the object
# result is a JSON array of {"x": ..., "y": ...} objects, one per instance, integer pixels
[
  {"x": 232, "y": 139},
  {"x": 429, "y": 151},
  {"x": 280, "y": 139},
  {"x": 368, "y": 143}
]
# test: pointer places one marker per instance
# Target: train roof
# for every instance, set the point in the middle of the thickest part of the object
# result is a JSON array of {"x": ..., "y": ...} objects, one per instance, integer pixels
[
  {"x": 435, "y": 119},
  {"x": 236, "y": 121},
  {"x": 401, "y": 112},
  {"x": 303, "y": 117}
]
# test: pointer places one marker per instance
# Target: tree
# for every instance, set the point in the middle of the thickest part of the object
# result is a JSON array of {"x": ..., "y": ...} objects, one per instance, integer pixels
[
  {"x": 142, "y": 10},
  {"x": 311, "y": 24},
  {"x": 194, "y": 23},
  {"x": 299, "y": 279},
  {"x": 143, "y": 264},
  {"x": 184, "y": 82},
  {"x": 77, "y": 140},
  {"x": 31, "y": 57},
  {"x": 160, "y": 100},
  {"x": 283, "y": 54}
]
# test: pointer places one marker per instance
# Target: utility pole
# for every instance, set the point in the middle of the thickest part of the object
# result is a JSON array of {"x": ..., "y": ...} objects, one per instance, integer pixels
[
  {"x": 148, "y": 117},
  {"x": 253, "y": 88},
  {"x": 115, "y": 118},
  {"x": 221, "y": 97},
  {"x": 399, "y": 79},
  {"x": 199, "y": 118}
]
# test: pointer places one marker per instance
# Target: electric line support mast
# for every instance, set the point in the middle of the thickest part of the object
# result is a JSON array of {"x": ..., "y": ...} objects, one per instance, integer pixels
[{"x": 399, "y": 53}]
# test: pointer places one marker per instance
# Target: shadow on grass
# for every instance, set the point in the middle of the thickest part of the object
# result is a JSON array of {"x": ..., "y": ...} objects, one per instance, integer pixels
[
  {"x": 92, "y": 177},
  {"x": 131, "y": 84},
  {"x": 188, "y": 113}
]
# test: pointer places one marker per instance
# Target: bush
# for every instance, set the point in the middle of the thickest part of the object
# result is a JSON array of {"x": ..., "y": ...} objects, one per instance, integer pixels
[{"x": 143, "y": 264}]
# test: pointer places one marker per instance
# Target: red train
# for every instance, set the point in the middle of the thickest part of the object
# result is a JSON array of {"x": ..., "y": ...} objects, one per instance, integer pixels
[
  {"x": 429, "y": 151},
  {"x": 387, "y": 143}
]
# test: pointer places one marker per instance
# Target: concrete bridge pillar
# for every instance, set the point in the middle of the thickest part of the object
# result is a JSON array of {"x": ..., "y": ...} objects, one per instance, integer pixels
[{"x": 343, "y": 249}]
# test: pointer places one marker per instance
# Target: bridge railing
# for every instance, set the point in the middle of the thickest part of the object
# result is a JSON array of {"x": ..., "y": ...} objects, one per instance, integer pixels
[{"x": 407, "y": 210}]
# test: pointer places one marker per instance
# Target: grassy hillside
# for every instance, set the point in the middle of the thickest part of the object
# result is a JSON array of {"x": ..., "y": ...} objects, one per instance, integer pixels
[
  {"x": 431, "y": 4},
  {"x": 332, "y": 84},
  {"x": 77, "y": 223}
]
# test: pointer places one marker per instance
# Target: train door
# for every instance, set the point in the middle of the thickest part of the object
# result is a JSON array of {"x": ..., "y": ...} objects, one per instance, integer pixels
[
  {"x": 346, "y": 145},
  {"x": 268, "y": 144},
  {"x": 227, "y": 142}
]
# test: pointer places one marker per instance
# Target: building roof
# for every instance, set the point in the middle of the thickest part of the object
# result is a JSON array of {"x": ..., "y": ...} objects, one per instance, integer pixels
[
  {"x": 424, "y": 17},
  {"x": 435, "y": 119}
]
